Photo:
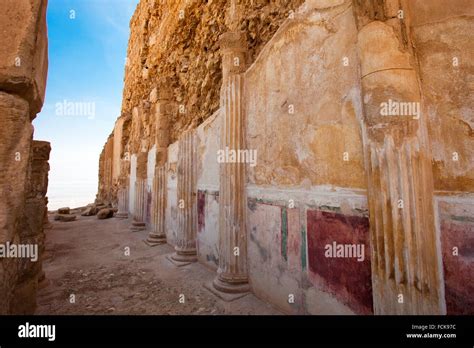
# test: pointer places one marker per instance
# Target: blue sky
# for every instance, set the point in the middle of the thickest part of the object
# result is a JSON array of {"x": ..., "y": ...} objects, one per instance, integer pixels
[{"x": 87, "y": 49}]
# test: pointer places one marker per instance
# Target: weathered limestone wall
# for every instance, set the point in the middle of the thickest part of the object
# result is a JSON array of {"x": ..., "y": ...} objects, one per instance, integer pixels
[
  {"x": 443, "y": 49},
  {"x": 23, "y": 164},
  {"x": 302, "y": 134},
  {"x": 24, "y": 52},
  {"x": 32, "y": 228},
  {"x": 208, "y": 191},
  {"x": 113, "y": 170},
  {"x": 305, "y": 101},
  {"x": 107, "y": 189}
]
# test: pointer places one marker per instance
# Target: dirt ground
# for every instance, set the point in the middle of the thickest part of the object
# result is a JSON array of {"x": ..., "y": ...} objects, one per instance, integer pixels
[{"x": 88, "y": 272}]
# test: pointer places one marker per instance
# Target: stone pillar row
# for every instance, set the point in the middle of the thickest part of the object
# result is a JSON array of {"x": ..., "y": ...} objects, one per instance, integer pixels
[{"x": 232, "y": 273}]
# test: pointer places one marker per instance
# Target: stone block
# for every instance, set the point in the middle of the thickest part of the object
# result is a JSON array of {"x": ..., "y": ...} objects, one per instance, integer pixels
[
  {"x": 24, "y": 297},
  {"x": 24, "y": 50},
  {"x": 65, "y": 210},
  {"x": 105, "y": 213},
  {"x": 15, "y": 145},
  {"x": 89, "y": 211}
]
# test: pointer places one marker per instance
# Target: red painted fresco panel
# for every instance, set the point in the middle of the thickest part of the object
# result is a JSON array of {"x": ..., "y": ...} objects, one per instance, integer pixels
[
  {"x": 348, "y": 279},
  {"x": 458, "y": 265},
  {"x": 201, "y": 206}
]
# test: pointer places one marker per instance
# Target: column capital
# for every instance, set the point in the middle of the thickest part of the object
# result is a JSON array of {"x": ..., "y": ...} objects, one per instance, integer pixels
[
  {"x": 234, "y": 48},
  {"x": 233, "y": 41}
]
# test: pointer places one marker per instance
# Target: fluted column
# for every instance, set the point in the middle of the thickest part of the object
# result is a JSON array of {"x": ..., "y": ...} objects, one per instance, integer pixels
[
  {"x": 185, "y": 249},
  {"x": 141, "y": 194},
  {"x": 163, "y": 110},
  {"x": 158, "y": 234},
  {"x": 232, "y": 272},
  {"x": 122, "y": 194},
  {"x": 406, "y": 273}
]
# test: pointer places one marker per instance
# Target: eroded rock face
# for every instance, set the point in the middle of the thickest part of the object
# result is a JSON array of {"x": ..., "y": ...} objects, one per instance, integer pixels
[
  {"x": 32, "y": 229},
  {"x": 179, "y": 40},
  {"x": 23, "y": 163},
  {"x": 23, "y": 53}
]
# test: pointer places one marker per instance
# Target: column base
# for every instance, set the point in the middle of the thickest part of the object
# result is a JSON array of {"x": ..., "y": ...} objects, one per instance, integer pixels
[
  {"x": 138, "y": 226},
  {"x": 227, "y": 292},
  {"x": 154, "y": 240},
  {"x": 181, "y": 260},
  {"x": 230, "y": 288},
  {"x": 121, "y": 215}
]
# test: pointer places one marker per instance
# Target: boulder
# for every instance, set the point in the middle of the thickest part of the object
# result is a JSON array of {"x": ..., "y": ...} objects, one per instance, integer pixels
[
  {"x": 64, "y": 210},
  {"x": 64, "y": 217},
  {"x": 105, "y": 213},
  {"x": 89, "y": 211}
]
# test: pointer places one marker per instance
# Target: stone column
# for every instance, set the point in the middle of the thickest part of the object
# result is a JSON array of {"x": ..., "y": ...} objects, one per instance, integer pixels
[
  {"x": 232, "y": 273},
  {"x": 163, "y": 109},
  {"x": 185, "y": 250},
  {"x": 158, "y": 235},
  {"x": 406, "y": 265},
  {"x": 122, "y": 194},
  {"x": 141, "y": 194}
]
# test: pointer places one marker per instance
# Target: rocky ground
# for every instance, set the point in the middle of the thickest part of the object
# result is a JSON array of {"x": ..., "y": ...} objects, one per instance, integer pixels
[{"x": 90, "y": 271}]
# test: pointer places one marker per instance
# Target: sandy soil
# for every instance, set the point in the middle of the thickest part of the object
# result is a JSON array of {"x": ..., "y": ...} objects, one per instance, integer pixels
[{"x": 86, "y": 258}]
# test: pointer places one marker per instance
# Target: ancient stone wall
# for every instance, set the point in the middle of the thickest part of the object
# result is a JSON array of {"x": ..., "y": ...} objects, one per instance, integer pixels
[
  {"x": 107, "y": 188},
  {"x": 440, "y": 35},
  {"x": 32, "y": 229},
  {"x": 24, "y": 168},
  {"x": 350, "y": 138}
]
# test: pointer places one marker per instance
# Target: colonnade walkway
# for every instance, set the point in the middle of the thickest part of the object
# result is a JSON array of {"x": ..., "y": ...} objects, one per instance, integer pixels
[{"x": 99, "y": 267}]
